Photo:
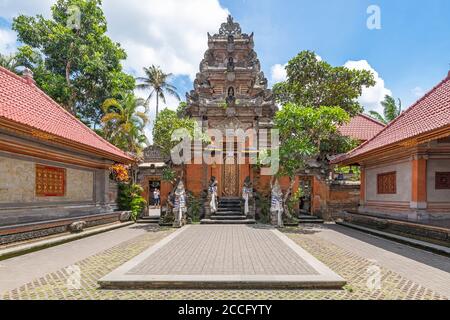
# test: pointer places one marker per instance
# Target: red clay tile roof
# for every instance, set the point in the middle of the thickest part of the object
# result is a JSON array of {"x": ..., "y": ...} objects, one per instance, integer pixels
[
  {"x": 427, "y": 115},
  {"x": 23, "y": 102},
  {"x": 362, "y": 127}
]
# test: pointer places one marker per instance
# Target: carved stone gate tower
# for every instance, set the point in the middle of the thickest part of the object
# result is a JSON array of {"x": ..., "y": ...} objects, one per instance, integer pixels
[{"x": 230, "y": 92}]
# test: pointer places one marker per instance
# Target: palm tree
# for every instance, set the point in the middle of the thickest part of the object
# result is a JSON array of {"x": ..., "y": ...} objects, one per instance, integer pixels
[
  {"x": 157, "y": 81},
  {"x": 391, "y": 110},
  {"x": 124, "y": 124},
  {"x": 9, "y": 62}
]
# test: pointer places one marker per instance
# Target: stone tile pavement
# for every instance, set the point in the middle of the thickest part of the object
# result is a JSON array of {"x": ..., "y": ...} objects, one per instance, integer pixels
[
  {"x": 347, "y": 262},
  {"x": 426, "y": 268},
  {"x": 227, "y": 250}
]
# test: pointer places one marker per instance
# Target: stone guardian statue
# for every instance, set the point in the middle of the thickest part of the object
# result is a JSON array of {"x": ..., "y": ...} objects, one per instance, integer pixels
[
  {"x": 276, "y": 208},
  {"x": 247, "y": 195},
  {"x": 212, "y": 191},
  {"x": 180, "y": 207}
]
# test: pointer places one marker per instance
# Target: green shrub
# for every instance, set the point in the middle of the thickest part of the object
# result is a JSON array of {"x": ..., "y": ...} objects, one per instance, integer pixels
[
  {"x": 194, "y": 207},
  {"x": 137, "y": 205},
  {"x": 130, "y": 199},
  {"x": 263, "y": 204}
]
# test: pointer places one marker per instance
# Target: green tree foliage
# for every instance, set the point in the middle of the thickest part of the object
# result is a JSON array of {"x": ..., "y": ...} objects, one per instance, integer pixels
[
  {"x": 307, "y": 133},
  {"x": 10, "y": 62},
  {"x": 314, "y": 83},
  {"x": 78, "y": 65},
  {"x": 194, "y": 208},
  {"x": 391, "y": 110},
  {"x": 124, "y": 123},
  {"x": 166, "y": 123},
  {"x": 157, "y": 82},
  {"x": 181, "y": 110}
]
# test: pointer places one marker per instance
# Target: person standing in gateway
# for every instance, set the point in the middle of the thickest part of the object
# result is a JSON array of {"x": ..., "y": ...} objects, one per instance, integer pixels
[{"x": 156, "y": 197}]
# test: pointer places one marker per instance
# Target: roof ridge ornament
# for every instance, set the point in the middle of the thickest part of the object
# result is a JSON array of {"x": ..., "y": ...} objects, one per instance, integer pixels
[{"x": 230, "y": 28}]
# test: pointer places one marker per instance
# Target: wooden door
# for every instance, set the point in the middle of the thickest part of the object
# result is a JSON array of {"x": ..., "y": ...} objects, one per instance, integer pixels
[{"x": 230, "y": 181}]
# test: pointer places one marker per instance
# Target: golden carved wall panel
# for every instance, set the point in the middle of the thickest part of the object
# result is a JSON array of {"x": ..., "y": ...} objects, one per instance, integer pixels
[
  {"x": 18, "y": 183},
  {"x": 387, "y": 183},
  {"x": 50, "y": 181}
]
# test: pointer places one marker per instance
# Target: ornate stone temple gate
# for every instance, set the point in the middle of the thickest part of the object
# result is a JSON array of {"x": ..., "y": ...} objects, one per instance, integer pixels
[{"x": 230, "y": 93}]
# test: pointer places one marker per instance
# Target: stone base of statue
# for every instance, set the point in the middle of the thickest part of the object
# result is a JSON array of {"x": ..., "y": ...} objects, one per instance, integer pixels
[
  {"x": 178, "y": 223},
  {"x": 276, "y": 218},
  {"x": 207, "y": 207},
  {"x": 251, "y": 214}
]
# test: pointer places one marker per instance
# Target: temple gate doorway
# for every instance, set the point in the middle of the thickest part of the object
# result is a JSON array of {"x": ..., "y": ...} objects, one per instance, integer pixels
[{"x": 230, "y": 181}]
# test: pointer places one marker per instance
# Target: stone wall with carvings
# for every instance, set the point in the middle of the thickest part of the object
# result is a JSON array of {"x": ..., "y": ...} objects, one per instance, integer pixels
[{"x": 17, "y": 183}]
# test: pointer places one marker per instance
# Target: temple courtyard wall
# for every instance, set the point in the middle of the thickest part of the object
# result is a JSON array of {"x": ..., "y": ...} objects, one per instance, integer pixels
[
  {"x": 33, "y": 207},
  {"x": 413, "y": 186}
]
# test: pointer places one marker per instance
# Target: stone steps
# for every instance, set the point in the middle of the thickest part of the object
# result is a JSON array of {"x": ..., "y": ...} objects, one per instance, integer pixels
[
  {"x": 229, "y": 211},
  {"x": 309, "y": 219},
  {"x": 246, "y": 221},
  {"x": 228, "y": 217},
  {"x": 148, "y": 220}
]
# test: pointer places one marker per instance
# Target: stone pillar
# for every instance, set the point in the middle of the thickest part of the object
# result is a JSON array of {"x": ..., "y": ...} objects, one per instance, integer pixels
[{"x": 419, "y": 182}]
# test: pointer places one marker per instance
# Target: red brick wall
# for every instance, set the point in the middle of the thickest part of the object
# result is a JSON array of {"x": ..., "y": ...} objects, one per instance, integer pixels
[
  {"x": 194, "y": 178},
  {"x": 166, "y": 188},
  {"x": 320, "y": 196}
]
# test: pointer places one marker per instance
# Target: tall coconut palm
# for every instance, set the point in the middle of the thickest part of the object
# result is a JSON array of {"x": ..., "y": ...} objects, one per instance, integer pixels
[
  {"x": 124, "y": 123},
  {"x": 391, "y": 110},
  {"x": 156, "y": 81}
]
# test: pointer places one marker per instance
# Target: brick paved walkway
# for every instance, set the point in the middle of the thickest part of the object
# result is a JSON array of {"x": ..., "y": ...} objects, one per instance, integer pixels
[
  {"x": 37, "y": 264},
  {"x": 426, "y": 268},
  {"x": 344, "y": 258}
]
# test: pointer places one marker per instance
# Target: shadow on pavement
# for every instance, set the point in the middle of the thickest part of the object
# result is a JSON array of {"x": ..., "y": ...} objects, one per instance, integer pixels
[
  {"x": 419, "y": 255},
  {"x": 147, "y": 227}
]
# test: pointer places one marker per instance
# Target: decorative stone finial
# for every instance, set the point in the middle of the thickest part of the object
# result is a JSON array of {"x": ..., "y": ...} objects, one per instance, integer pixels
[
  {"x": 28, "y": 76},
  {"x": 230, "y": 28}
]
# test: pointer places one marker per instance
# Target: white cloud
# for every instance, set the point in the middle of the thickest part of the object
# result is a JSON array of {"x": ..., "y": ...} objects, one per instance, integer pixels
[
  {"x": 278, "y": 73},
  {"x": 11, "y": 8},
  {"x": 7, "y": 41},
  {"x": 418, "y": 92},
  {"x": 371, "y": 98},
  {"x": 168, "y": 33}
]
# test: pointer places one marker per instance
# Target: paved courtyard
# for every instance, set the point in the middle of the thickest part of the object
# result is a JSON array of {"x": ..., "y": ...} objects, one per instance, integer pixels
[
  {"x": 405, "y": 272},
  {"x": 224, "y": 256}
]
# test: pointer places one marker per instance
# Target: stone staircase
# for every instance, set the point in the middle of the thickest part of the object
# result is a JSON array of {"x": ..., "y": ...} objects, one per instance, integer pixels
[
  {"x": 303, "y": 218},
  {"x": 149, "y": 219},
  {"x": 230, "y": 211}
]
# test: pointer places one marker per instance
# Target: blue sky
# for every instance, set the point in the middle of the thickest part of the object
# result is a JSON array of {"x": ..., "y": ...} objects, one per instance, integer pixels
[
  {"x": 411, "y": 50},
  {"x": 410, "y": 53}
]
